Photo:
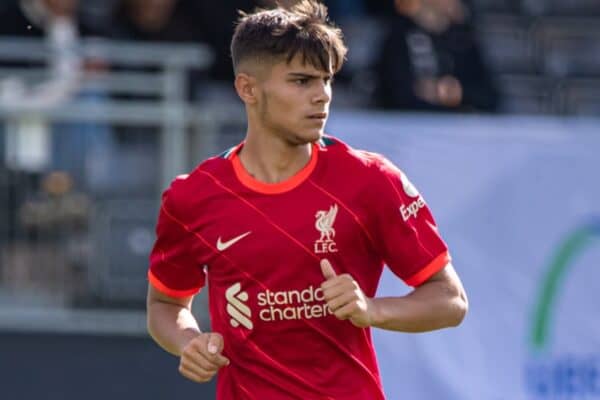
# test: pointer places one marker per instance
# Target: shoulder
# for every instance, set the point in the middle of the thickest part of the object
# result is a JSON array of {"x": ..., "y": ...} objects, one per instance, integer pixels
[
  {"x": 374, "y": 176},
  {"x": 366, "y": 161},
  {"x": 184, "y": 183},
  {"x": 188, "y": 191}
]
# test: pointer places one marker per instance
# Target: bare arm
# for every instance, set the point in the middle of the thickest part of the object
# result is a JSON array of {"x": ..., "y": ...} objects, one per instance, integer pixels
[
  {"x": 438, "y": 303},
  {"x": 172, "y": 325},
  {"x": 170, "y": 320}
]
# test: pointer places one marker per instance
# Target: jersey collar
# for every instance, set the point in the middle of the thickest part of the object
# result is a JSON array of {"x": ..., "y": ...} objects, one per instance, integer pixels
[{"x": 272, "y": 188}]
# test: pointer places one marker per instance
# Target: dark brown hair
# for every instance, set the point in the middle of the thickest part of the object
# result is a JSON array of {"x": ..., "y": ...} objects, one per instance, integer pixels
[{"x": 281, "y": 33}]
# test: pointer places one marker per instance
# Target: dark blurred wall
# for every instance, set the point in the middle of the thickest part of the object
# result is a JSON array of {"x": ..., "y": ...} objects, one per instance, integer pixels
[{"x": 75, "y": 367}]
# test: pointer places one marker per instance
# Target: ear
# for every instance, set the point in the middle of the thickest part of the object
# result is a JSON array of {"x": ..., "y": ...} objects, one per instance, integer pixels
[{"x": 246, "y": 87}]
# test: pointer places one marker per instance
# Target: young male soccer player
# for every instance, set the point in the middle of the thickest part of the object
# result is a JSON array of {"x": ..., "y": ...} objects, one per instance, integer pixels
[{"x": 291, "y": 229}]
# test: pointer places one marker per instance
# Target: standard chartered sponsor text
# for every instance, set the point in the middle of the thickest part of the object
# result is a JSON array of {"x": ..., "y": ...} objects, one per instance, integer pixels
[{"x": 292, "y": 305}]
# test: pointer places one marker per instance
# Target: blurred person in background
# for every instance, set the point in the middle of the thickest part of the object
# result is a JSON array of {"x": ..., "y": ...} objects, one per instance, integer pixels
[
  {"x": 136, "y": 147},
  {"x": 23, "y": 162},
  {"x": 156, "y": 21},
  {"x": 153, "y": 21},
  {"x": 292, "y": 252},
  {"x": 56, "y": 22},
  {"x": 185, "y": 21},
  {"x": 56, "y": 219},
  {"x": 430, "y": 60},
  {"x": 216, "y": 29},
  {"x": 38, "y": 149},
  {"x": 37, "y": 18}
]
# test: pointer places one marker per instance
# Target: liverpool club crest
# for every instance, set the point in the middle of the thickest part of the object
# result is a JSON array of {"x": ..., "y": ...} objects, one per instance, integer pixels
[{"x": 324, "y": 224}]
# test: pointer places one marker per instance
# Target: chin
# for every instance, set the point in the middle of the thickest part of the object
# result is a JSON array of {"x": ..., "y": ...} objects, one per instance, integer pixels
[
  {"x": 314, "y": 135},
  {"x": 306, "y": 137}
]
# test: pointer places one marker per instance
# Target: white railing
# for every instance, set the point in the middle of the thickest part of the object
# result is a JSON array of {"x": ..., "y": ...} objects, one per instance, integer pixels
[
  {"x": 168, "y": 82},
  {"x": 157, "y": 73}
]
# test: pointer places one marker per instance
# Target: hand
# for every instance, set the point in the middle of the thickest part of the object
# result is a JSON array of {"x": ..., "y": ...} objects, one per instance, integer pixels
[
  {"x": 201, "y": 357},
  {"x": 344, "y": 297},
  {"x": 449, "y": 91}
]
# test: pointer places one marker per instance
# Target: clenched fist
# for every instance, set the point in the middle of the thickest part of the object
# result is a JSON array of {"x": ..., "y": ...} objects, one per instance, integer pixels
[
  {"x": 344, "y": 297},
  {"x": 201, "y": 357}
]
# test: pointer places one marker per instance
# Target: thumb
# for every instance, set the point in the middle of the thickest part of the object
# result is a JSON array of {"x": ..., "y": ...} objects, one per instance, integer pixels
[
  {"x": 215, "y": 343},
  {"x": 327, "y": 269}
]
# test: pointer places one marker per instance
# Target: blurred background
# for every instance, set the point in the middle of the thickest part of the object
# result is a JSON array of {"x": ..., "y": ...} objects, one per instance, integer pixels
[{"x": 490, "y": 106}]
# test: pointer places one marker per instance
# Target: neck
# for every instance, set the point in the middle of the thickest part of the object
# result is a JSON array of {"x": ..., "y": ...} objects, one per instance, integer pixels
[{"x": 272, "y": 160}]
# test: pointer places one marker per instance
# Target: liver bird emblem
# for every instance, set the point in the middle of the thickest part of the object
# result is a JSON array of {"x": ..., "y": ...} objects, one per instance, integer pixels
[{"x": 324, "y": 223}]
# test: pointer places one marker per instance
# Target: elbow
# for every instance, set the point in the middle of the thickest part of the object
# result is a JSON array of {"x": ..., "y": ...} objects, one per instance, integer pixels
[
  {"x": 150, "y": 320},
  {"x": 149, "y": 323},
  {"x": 460, "y": 307}
]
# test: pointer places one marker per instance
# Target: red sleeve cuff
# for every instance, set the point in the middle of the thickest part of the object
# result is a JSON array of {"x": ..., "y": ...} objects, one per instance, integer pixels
[
  {"x": 161, "y": 287},
  {"x": 430, "y": 269}
]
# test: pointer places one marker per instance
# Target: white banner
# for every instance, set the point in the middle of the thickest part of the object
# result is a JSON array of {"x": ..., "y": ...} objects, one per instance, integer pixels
[{"x": 518, "y": 202}]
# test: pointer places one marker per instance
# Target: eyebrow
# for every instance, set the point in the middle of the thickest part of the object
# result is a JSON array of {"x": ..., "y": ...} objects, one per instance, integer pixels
[{"x": 306, "y": 75}]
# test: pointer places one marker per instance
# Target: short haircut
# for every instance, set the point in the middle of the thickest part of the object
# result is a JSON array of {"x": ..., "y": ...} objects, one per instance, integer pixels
[{"x": 278, "y": 34}]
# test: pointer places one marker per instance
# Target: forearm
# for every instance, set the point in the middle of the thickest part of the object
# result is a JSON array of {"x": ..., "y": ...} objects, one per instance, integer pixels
[
  {"x": 432, "y": 306},
  {"x": 172, "y": 326}
]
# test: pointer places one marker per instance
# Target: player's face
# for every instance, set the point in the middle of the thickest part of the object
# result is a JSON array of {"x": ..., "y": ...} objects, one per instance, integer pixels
[{"x": 294, "y": 101}]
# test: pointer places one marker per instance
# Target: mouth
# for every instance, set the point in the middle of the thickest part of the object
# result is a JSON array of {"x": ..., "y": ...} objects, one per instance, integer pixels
[{"x": 318, "y": 116}]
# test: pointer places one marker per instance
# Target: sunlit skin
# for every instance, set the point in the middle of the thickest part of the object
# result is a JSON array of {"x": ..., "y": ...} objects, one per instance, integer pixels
[{"x": 287, "y": 105}]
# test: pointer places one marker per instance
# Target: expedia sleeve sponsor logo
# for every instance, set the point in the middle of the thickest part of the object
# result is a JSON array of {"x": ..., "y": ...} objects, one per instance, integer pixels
[{"x": 412, "y": 209}]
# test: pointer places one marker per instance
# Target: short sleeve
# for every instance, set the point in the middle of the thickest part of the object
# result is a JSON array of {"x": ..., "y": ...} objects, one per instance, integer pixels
[
  {"x": 175, "y": 267},
  {"x": 406, "y": 232}
]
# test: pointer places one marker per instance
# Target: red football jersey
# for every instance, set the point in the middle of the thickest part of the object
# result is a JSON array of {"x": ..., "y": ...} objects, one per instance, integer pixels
[{"x": 258, "y": 246}]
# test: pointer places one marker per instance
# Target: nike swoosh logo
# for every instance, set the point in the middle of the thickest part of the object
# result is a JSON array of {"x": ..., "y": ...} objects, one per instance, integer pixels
[{"x": 225, "y": 245}]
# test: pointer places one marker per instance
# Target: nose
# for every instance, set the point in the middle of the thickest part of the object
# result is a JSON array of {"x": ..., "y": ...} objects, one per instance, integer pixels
[{"x": 323, "y": 93}]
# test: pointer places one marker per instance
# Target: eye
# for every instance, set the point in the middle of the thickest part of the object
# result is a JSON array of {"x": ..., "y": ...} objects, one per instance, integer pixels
[{"x": 301, "y": 81}]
